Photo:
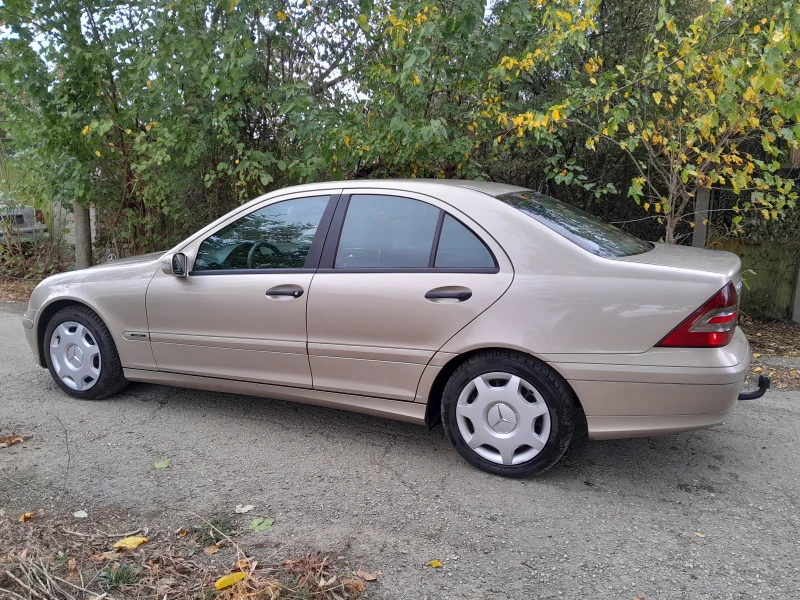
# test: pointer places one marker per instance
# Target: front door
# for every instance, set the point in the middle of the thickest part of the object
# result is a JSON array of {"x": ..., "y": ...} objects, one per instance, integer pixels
[
  {"x": 241, "y": 312},
  {"x": 400, "y": 275}
]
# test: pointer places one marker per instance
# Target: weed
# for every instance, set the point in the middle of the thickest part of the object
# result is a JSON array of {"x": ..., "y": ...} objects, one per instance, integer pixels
[
  {"x": 119, "y": 576},
  {"x": 214, "y": 531}
]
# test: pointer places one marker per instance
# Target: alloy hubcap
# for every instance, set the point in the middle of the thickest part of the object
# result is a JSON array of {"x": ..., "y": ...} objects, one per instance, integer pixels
[
  {"x": 503, "y": 418},
  {"x": 75, "y": 356}
]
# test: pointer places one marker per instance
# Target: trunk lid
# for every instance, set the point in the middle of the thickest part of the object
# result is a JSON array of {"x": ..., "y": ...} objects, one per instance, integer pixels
[{"x": 688, "y": 257}]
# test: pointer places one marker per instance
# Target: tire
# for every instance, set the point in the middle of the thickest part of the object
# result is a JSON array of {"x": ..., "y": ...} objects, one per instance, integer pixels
[
  {"x": 508, "y": 413},
  {"x": 82, "y": 357}
]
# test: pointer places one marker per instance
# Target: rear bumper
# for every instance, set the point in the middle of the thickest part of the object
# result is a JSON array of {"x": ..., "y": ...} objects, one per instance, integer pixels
[{"x": 660, "y": 391}]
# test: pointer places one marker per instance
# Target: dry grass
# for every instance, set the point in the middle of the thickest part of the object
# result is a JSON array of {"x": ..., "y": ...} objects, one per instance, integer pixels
[
  {"x": 43, "y": 559},
  {"x": 15, "y": 290}
]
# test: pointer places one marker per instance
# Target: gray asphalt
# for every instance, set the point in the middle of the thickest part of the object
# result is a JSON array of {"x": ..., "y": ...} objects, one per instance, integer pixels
[{"x": 710, "y": 514}]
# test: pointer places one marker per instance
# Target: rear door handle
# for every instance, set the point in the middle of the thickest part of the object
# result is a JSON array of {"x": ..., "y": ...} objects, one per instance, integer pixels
[
  {"x": 294, "y": 292},
  {"x": 458, "y": 295}
]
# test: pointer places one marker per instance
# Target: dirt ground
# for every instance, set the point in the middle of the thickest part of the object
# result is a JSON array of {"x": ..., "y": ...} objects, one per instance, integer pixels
[{"x": 708, "y": 514}]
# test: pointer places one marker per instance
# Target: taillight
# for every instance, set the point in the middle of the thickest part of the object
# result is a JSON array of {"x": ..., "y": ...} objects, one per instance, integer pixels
[
  {"x": 710, "y": 326},
  {"x": 40, "y": 217}
]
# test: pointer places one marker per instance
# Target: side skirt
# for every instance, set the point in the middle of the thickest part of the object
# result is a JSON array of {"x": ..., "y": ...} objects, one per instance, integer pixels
[{"x": 410, "y": 412}]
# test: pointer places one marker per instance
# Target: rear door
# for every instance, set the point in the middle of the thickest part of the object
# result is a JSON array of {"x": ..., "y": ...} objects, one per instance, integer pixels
[{"x": 400, "y": 274}]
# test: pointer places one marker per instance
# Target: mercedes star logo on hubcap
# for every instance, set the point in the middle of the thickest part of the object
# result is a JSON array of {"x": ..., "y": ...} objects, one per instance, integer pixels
[{"x": 502, "y": 418}]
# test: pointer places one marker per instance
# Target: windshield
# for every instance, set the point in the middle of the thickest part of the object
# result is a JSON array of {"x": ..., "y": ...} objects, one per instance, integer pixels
[{"x": 581, "y": 228}]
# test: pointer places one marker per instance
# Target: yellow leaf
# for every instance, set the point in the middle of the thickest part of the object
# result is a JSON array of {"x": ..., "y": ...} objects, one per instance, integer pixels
[
  {"x": 757, "y": 28},
  {"x": 97, "y": 152},
  {"x": 700, "y": 535},
  {"x": 148, "y": 84},
  {"x": 658, "y": 207},
  {"x": 765, "y": 214},
  {"x": 705, "y": 221},
  {"x": 129, "y": 543},
  {"x": 691, "y": 224},
  {"x": 228, "y": 580},
  {"x": 436, "y": 564},
  {"x": 657, "y": 97},
  {"x": 778, "y": 36},
  {"x": 757, "y": 370},
  {"x": 127, "y": 131},
  {"x": 631, "y": 127},
  {"x": 646, "y": 206},
  {"x": 282, "y": 16},
  {"x": 86, "y": 130},
  {"x": 26, "y": 517},
  {"x": 756, "y": 354},
  {"x": 416, "y": 79}
]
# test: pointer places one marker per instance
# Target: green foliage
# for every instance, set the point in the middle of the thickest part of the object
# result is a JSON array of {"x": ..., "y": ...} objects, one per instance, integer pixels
[{"x": 166, "y": 114}]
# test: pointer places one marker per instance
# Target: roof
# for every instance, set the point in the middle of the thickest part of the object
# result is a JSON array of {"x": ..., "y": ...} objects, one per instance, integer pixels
[{"x": 487, "y": 187}]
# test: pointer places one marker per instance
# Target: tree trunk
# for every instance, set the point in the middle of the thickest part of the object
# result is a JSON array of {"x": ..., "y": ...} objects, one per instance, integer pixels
[{"x": 82, "y": 231}]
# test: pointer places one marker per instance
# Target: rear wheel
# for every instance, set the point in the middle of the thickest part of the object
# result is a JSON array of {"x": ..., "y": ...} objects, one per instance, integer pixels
[
  {"x": 81, "y": 355},
  {"x": 508, "y": 413}
]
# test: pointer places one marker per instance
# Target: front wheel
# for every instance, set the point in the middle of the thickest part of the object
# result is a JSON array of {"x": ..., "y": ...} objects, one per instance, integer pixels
[
  {"x": 508, "y": 413},
  {"x": 81, "y": 355}
]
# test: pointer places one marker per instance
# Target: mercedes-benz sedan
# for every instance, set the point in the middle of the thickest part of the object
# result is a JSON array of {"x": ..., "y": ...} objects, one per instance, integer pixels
[{"x": 508, "y": 315}]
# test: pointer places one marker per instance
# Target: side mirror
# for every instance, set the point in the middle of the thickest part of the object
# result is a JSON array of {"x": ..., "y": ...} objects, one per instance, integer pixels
[{"x": 179, "y": 264}]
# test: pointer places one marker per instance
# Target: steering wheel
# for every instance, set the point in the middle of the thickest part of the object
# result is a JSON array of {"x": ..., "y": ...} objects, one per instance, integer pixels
[{"x": 256, "y": 246}]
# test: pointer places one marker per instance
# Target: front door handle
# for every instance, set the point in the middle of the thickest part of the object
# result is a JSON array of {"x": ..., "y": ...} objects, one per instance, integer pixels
[
  {"x": 459, "y": 295},
  {"x": 285, "y": 290}
]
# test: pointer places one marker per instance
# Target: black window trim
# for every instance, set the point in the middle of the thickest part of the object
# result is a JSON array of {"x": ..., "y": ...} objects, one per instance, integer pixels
[
  {"x": 314, "y": 252},
  {"x": 328, "y": 256}
]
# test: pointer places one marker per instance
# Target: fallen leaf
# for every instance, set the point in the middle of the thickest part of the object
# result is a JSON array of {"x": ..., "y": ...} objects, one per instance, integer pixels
[
  {"x": 81, "y": 514},
  {"x": 130, "y": 543},
  {"x": 366, "y": 576},
  {"x": 10, "y": 440},
  {"x": 163, "y": 464},
  {"x": 260, "y": 524},
  {"x": 212, "y": 549},
  {"x": 246, "y": 564},
  {"x": 698, "y": 534},
  {"x": 26, "y": 517},
  {"x": 436, "y": 564},
  {"x": 72, "y": 564},
  {"x": 324, "y": 583},
  {"x": 240, "y": 509},
  {"x": 757, "y": 370},
  {"x": 228, "y": 580},
  {"x": 756, "y": 355},
  {"x": 182, "y": 532},
  {"x": 106, "y": 556},
  {"x": 355, "y": 586}
]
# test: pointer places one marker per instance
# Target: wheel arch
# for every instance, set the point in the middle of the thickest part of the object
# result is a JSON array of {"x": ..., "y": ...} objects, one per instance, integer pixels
[
  {"x": 433, "y": 408},
  {"x": 46, "y": 314}
]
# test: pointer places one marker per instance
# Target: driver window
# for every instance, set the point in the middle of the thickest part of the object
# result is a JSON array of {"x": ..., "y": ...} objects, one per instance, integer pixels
[{"x": 277, "y": 236}]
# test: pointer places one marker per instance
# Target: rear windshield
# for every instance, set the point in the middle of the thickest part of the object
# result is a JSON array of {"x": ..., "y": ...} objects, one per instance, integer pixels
[{"x": 590, "y": 233}]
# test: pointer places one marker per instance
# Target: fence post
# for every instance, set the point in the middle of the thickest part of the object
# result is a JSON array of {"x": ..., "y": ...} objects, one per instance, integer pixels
[
  {"x": 701, "y": 206},
  {"x": 796, "y": 309},
  {"x": 83, "y": 236}
]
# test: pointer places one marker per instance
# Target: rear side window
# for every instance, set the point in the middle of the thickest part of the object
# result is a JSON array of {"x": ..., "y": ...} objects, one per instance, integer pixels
[
  {"x": 581, "y": 228},
  {"x": 386, "y": 232},
  {"x": 459, "y": 248}
]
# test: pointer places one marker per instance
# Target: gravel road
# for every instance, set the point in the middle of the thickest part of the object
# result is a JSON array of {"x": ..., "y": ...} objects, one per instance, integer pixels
[{"x": 709, "y": 514}]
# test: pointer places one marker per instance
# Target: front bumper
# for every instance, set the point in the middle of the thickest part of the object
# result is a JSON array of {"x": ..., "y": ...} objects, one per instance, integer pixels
[
  {"x": 28, "y": 322},
  {"x": 661, "y": 391}
]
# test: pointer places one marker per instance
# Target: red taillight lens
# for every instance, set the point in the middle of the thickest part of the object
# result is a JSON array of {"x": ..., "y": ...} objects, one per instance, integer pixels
[{"x": 710, "y": 326}]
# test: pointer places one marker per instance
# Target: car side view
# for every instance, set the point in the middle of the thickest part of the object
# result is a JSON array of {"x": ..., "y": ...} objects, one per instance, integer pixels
[{"x": 505, "y": 314}]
